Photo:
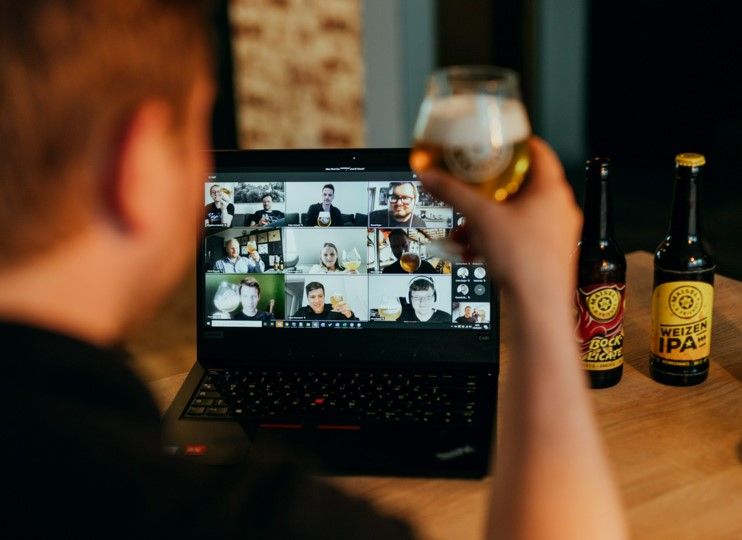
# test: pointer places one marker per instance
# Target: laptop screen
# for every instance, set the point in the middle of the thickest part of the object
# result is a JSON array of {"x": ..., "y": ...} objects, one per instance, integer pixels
[{"x": 328, "y": 241}]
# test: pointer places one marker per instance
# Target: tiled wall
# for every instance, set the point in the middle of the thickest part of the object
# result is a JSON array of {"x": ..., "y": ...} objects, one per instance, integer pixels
[{"x": 298, "y": 73}]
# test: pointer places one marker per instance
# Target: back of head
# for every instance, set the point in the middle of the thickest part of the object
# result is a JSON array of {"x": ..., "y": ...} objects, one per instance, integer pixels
[{"x": 72, "y": 75}]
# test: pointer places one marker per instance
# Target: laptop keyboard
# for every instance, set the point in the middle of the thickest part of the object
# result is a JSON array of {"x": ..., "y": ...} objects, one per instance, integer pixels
[{"x": 339, "y": 397}]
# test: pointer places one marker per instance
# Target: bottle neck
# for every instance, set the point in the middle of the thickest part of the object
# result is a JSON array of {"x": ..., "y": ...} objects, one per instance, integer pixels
[
  {"x": 598, "y": 215},
  {"x": 686, "y": 205}
]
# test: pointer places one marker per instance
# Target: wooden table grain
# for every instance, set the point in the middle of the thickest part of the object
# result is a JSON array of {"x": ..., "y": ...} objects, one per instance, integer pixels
[{"x": 676, "y": 452}]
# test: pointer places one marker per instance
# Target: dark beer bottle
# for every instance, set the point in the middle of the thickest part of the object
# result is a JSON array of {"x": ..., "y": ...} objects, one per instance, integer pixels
[
  {"x": 683, "y": 296},
  {"x": 601, "y": 282}
]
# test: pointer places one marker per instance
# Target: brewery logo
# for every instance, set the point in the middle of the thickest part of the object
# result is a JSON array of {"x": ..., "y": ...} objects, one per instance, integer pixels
[
  {"x": 603, "y": 304},
  {"x": 478, "y": 162},
  {"x": 685, "y": 301}
]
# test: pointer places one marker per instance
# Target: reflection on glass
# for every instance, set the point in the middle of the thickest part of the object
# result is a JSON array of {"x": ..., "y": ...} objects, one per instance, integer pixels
[{"x": 226, "y": 300}]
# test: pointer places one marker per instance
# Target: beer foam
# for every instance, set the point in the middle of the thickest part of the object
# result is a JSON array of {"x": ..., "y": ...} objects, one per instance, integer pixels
[{"x": 466, "y": 120}]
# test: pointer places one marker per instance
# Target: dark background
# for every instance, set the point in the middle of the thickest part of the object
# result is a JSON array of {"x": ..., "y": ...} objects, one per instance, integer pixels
[{"x": 663, "y": 78}]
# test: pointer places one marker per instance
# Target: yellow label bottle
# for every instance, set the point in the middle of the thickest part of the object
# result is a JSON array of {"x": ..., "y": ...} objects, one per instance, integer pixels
[{"x": 683, "y": 296}]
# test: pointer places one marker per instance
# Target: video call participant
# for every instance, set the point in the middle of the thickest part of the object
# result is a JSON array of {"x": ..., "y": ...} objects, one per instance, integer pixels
[
  {"x": 400, "y": 210},
  {"x": 328, "y": 195},
  {"x": 422, "y": 298},
  {"x": 328, "y": 260},
  {"x": 467, "y": 317},
  {"x": 266, "y": 216},
  {"x": 250, "y": 296},
  {"x": 220, "y": 211},
  {"x": 233, "y": 263},
  {"x": 399, "y": 243},
  {"x": 318, "y": 310}
]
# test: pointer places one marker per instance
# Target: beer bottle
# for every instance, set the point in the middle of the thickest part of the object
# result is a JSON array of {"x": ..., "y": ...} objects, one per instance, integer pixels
[
  {"x": 683, "y": 296},
  {"x": 601, "y": 282}
]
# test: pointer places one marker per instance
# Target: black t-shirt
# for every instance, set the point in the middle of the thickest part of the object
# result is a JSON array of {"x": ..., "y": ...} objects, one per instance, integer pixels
[
  {"x": 81, "y": 444},
  {"x": 466, "y": 320},
  {"x": 396, "y": 268},
  {"x": 213, "y": 215},
  {"x": 327, "y": 314},
  {"x": 408, "y": 314},
  {"x": 270, "y": 216},
  {"x": 259, "y": 316}
]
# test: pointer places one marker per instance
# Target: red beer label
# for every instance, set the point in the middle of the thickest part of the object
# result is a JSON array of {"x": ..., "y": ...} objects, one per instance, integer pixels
[{"x": 599, "y": 331}]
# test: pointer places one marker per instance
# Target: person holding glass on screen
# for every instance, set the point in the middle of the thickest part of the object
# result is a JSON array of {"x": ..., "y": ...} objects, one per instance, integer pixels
[
  {"x": 316, "y": 309},
  {"x": 399, "y": 243},
  {"x": 324, "y": 214},
  {"x": 234, "y": 263}
]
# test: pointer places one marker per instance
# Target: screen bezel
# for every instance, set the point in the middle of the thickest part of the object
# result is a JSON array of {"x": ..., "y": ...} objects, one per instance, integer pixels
[{"x": 349, "y": 347}]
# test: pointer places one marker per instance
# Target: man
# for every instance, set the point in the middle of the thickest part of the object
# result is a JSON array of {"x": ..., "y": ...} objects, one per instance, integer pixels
[
  {"x": 316, "y": 309},
  {"x": 422, "y": 298},
  {"x": 399, "y": 244},
  {"x": 328, "y": 195},
  {"x": 266, "y": 216},
  {"x": 467, "y": 317},
  {"x": 105, "y": 106},
  {"x": 220, "y": 212},
  {"x": 400, "y": 208},
  {"x": 234, "y": 263},
  {"x": 249, "y": 297}
]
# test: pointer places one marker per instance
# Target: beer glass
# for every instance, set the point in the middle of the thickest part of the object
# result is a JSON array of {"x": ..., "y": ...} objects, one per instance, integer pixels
[
  {"x": 251, "y": 247},
  {"x": 351, "y": 259},
  {"x": 473, "y": 124},
  {"x": 390, "y": 308},
  {"x": 324, "y": 219},
  {"x": 226, "y": 300},
  {"x": 409, "y": 261},
  {"x": 336, "y": 298}
]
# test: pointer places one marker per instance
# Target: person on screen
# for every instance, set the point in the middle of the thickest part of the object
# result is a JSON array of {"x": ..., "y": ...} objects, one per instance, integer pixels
[
  {"x": 234, "y": 263},
  {"x": 400, "y": 210},
  {"x": 328, "y": 260},
  {"x": 88, "y": 447},
  {"x": 249, "y": 297},
  {"x": 399, "y": 243},
  {"x": 467, "y": 317},
  {"x": 422, "y": 298},
  {"x": 220, "y": 211},
  {"x": 316, "y": 309},
  {"x": 266, "y": 216},
  {"x": 328, "y": 195}
]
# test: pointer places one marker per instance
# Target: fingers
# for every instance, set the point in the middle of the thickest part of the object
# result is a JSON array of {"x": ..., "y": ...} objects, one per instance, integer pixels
[{"x": 546, "y": 169}]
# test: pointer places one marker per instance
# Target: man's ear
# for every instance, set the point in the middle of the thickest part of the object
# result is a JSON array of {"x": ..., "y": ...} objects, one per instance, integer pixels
[{"x": 140, "y": 166}]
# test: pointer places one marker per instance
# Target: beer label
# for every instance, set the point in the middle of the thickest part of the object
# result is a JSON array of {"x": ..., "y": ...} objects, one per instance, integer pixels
[
  {"x": 600, "y": 310},
  {"x": 681, "y": 322}
]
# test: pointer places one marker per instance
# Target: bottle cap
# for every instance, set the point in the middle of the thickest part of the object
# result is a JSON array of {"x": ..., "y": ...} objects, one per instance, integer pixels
[
  {"x": 690, "y": 160},
  {"x": 598, "y": 166}
]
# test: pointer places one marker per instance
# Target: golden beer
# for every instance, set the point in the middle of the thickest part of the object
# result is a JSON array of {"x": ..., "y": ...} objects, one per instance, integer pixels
[
  {"x": 409, "y": 262},
  {"x": 480, "y": 139},
  {"x": 352, "y": 265},
  {"x": 390, "y": 313},
  {"x": 336, "y": 299},
  {"x": 324, "y": 219}
]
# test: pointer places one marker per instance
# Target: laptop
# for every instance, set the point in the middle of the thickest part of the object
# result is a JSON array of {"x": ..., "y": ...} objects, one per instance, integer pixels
[{"x": 330, "y": 322}]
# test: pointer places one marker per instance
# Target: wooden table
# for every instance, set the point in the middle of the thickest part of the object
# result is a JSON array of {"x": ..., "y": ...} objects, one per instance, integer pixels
[{"x": 676, "y": 452}]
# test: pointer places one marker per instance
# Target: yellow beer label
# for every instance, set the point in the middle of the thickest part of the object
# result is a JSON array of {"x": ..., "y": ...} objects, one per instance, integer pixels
[{"x": 681, "y": 321}]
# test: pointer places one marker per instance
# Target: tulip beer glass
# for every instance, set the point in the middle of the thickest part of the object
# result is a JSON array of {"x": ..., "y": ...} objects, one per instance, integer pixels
[{"x": 473, "y": 124}]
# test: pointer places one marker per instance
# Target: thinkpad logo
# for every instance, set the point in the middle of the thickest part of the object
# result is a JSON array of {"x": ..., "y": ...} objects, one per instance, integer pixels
[{"x": 455, "y": 453}]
